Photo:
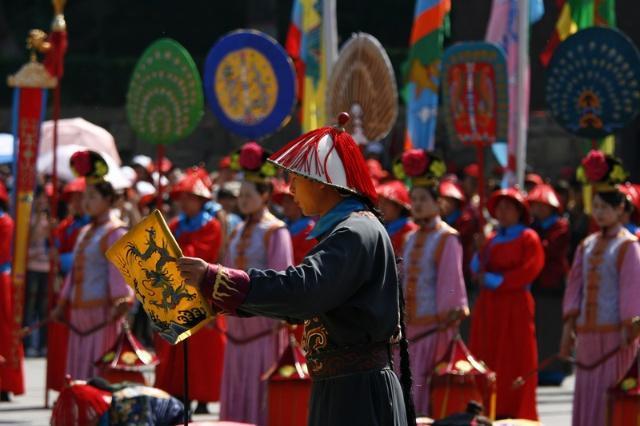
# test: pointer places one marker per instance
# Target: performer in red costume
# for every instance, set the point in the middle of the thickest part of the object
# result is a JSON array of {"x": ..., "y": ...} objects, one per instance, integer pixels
[
  {"x": 502, "y": 322},
  {"x": 11, "y": 372},
  {"x": 548, "y": 289},
  {"x": 455, "y": 213},
  {"x": 395, "y": 205},
  {"x": 198, "y": 233},
  {"x": 298, "y": 224}
]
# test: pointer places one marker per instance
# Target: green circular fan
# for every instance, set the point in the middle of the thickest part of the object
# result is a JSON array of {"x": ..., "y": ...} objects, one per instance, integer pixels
[{"x": 165, "y": 101}]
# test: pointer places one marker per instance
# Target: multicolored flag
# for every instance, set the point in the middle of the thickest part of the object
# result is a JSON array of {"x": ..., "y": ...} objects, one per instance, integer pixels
[
  {"x": 503, "y": 31},
  {"x": 422, "y": 71},
  {"x": 312, "y": 44},
  {"x": 576, "y": 15}
]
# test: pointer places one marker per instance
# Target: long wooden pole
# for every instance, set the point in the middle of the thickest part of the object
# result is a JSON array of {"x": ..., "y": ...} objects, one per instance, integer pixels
[
  {"x": 521, "y": 84},
  {"x": 160, "y": 153},
  {"x": 187, "y": 404}
]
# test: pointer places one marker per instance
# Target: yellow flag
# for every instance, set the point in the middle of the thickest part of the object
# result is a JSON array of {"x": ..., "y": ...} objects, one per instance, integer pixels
[{"x": 146, "y": 258}]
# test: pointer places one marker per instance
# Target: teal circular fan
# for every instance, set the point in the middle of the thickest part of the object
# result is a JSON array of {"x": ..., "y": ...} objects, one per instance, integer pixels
[
  {"x": 165, "y": 101},
  {"x": 593, "y": 82}
]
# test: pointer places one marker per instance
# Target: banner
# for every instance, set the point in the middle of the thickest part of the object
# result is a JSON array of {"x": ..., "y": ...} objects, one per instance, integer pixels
[
  {"x": 576, "y": 15},
  {"x": 29, "y": 107},
  {"x": 146, "y": 258},
  {"x": 422, "y": 72},
  {"x": 312, "y": 43},
  {"x": 503, "y": 31}
]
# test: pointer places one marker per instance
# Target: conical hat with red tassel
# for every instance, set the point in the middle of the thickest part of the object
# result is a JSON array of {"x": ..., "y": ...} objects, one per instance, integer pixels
[{"x": 328, "y": 155}]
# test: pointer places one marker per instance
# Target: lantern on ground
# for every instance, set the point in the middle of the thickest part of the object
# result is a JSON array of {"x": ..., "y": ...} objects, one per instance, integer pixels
[
  {"x": 126, "y": 360},
  {"x": 289, "y": 388},
  {"x": 458, "y": 379}
]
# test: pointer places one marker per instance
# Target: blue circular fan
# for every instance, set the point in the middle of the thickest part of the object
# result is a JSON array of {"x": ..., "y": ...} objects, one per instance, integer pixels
[
  {"x": 593, "y": 82},
  {"x": 250, "y": 83}
]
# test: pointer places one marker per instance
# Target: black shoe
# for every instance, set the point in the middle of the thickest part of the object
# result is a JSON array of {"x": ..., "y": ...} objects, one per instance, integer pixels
[
  {"x": 4, "y": 396},
  {"x": 201, "y": 408}
]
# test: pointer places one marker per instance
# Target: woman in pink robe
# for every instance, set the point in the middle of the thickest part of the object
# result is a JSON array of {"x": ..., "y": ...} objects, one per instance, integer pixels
[
  {"x": 96, "y": 292},
  {"x": 253, "y": 344},
  {"x": 434, "y": 286},
  {"x": 601, "y": 307}
]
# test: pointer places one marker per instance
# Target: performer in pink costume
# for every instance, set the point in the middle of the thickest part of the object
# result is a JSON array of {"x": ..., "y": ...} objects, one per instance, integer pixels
[
  {"x": 432, "y": 272},
  {"x": 253, "y": 344},
  {"x": 98, "y": 295},
  {"x": 602, "y": 301}
]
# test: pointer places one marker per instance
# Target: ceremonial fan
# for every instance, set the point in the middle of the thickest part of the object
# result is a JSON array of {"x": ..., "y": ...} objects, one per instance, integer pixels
[
  {"x": 164, "y": 101},
  {"x": 363, "y": 83}
]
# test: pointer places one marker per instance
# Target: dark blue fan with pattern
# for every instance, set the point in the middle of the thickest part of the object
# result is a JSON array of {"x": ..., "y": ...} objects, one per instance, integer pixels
[{"x": 593, "y": 82}]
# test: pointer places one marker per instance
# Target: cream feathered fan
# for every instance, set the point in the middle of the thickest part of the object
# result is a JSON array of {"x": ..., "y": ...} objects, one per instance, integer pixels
[{"x": 362, "y": 82}]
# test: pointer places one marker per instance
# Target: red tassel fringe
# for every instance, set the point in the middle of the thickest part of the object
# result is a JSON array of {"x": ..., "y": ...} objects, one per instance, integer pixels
[
  {"x": 303, "y": 158},
  {"x": 355, "y": 167}
]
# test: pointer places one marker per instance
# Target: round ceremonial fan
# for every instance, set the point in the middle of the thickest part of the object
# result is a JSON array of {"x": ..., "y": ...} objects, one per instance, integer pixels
[
  {"x": 363, "y": 83},
  {"x": 593, "y": 82}
]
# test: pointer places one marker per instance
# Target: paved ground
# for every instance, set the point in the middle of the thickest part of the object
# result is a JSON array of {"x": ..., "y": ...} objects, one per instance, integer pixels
[{"x": 554, "y": 404}]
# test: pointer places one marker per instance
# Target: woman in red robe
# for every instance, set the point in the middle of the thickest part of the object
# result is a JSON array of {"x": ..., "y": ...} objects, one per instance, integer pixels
[
  {"x": 11, "y": 371},
  {"x": 502, "y": 322},
  {"x": 198, "y": 233}
]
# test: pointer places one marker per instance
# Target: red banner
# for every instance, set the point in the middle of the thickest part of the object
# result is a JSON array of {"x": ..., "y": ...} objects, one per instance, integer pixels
[{"x": 29, "y": 105}]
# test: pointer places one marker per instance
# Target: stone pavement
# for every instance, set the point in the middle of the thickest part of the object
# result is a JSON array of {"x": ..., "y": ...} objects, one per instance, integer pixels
[{"x": 554, "y": 404}]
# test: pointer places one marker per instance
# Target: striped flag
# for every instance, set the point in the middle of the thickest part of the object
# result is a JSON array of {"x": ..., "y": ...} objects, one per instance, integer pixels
[
  {"x": 422, "y": 71},
  {"x": 312, "y": 44},
  {"x": 503, "y": 31},
  {"x": 576, "y": 15}
]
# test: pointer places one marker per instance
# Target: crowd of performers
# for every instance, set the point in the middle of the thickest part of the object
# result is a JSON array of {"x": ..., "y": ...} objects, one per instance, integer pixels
[{"x": 530, "y": 275}]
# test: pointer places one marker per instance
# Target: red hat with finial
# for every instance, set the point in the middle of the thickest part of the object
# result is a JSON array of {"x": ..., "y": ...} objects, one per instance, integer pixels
[
  {"x": 329, "y": 155},
  {"x": 451, "y": 189},
  {"x": 545, "y": 194},
  {"x": 514, "y": 195},
  {"x": 395, "y": 191},
  {"x": 196, "y": 181}
]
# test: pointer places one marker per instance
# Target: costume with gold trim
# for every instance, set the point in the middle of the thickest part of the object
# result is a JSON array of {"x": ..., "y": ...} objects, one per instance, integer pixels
[{"x": 345, "y": 290}]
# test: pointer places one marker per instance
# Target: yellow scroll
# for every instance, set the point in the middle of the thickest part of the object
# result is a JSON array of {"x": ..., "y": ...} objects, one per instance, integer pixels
[{"x": 146, "y": 257}]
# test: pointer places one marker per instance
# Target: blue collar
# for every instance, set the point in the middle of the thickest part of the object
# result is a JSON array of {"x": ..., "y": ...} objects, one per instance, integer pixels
[
  {"x": 396, "y": 225},
  {"x": 453, "y": 217},
  {"x": 297, "y": 226},
  {"x": 78, "y": 222},
  {"x": 548, "y": 222},
  {"x": 338, "y": 213},
  {"x": 631, "y": 227},
  {"x": 193, "y": 224},
  {"x": 506, "y": 235},
  {"x": 1, "y": 212}
]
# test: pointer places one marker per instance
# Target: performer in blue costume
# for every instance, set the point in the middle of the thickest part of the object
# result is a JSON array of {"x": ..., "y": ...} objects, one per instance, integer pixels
[{"x": 346, "y": 289}]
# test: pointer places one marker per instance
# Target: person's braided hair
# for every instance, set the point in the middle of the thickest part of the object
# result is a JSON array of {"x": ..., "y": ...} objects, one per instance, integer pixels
[{"x": 406, "y": 380}]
